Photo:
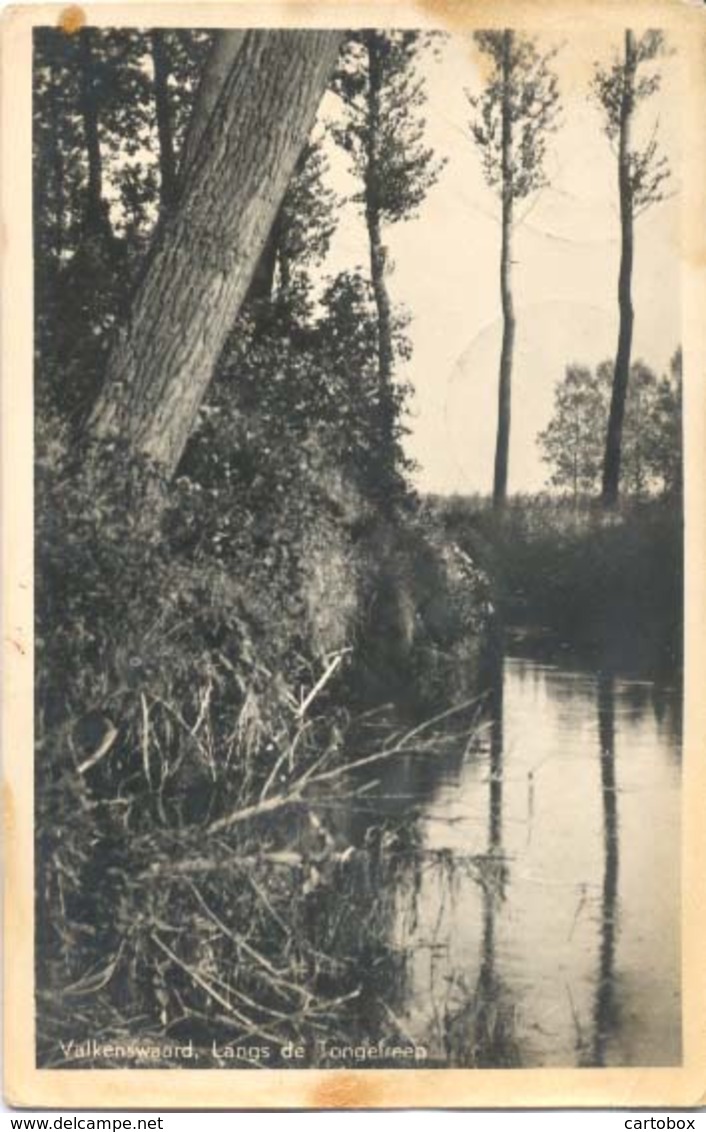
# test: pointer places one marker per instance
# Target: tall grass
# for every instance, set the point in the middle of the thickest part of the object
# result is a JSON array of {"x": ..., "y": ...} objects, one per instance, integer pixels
[
  {"x": 193, "y": 731},
  {"x": 608, "y": 583}
]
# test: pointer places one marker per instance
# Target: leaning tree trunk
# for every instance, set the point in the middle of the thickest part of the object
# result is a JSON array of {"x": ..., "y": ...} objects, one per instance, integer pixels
[
  {"x": 167, "y": 164},
  {"x": 377, "y": 249},
  {"x": 204, "y": 256},
  {"x": 502, "y": 443},
  {"x": 219, "y": 65},
  {"x": 621, "y": 373},
  {"x": 221, "y": 61}
]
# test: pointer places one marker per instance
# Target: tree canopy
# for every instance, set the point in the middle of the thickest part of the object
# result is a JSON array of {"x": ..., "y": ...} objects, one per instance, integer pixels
[
  {"x": 622, "y": 88},
  {"x": 387, "y": 147},
  {"x": 573, "y": 441},
  {"x": 524, "y": 89}
]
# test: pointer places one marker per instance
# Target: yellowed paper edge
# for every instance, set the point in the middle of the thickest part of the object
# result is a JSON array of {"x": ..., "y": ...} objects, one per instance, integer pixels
[{"x": 25, "y": 1085}]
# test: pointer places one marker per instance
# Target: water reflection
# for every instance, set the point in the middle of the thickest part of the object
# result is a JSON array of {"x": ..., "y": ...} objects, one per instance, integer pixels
[
  {"x": 532, "y": 897},
  {"x": 605, "y": 990},
  {"x": 495, "y": 792},
  {"x": 494, "y": 1011},
  {"x": 525, "y": 885}
]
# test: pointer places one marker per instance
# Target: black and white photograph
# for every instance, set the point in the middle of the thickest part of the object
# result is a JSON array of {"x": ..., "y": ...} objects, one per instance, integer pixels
[{"x": 358, "y": 492}]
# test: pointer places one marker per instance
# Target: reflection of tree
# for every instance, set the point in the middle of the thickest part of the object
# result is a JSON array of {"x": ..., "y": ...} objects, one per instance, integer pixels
[
  {"x": 604, "y": 1010},
  {"x": 496, "y": 767},
  {"x": 490, "y": 1027},
  {"x": 481, "y": 1032}
]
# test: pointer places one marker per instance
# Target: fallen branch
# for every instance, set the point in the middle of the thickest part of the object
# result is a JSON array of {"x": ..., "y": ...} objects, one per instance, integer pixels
[
  {"x": 105, "y": 745},
  {"x": 246, "y": 947},
  {"x": 321, "y": 682},
  {"x": 286, "y": 858},
  {"x": 210, "y": 990},
  {"x": 295, "y": 795}
]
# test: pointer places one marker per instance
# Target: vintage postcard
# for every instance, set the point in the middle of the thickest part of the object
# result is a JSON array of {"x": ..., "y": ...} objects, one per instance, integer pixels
[{"x": 354, "y": 517}]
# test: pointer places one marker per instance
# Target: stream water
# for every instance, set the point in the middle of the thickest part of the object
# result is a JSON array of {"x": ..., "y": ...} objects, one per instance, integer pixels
[{"x": 538, "y": 916}]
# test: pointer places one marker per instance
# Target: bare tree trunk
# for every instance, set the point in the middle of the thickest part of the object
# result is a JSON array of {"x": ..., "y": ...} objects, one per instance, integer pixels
[
  {"x": 204, "y": 255},
  {"x": 95, "y": 217},
  {"x": 219, "y": 64},
  {"x": 382, "y": 299},
  {"x": 377, "y": 250},
  {"x": 502, "y": 444},
  {"x": 167, "y": 163},
  {"x": 621, "y": 373},
  {"x": 221, "y": 61}
]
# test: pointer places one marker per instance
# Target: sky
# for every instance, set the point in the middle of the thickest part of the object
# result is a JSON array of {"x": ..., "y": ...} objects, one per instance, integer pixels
[{"x": 445, "y": 271}]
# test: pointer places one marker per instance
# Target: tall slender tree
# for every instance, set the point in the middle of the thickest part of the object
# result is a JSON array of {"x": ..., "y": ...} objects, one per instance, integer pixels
[
  {"x": 383, "y": 131},
  {"x": 512, "y": 118},
  {"x": 95, "y": 215},
  {"x": 59, "y": 150},
  {"x": 167, "y": 161},
  {"x": 642, "y": 173}
]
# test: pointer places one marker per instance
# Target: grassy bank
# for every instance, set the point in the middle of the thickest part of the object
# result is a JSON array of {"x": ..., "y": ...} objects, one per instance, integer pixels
[
  {"x": 196, "y": 881},
  {"x": 608, "y": 584}
]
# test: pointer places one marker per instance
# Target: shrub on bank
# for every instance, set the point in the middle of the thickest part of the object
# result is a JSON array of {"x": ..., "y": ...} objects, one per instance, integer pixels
[{"x": 187, "y": 672}]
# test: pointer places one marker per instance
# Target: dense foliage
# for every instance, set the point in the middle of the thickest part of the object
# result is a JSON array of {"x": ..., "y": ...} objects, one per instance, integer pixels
[
  {"x": 606, "y": 588},
  {"x": 612, "y": 85},
  {"x": 520, "y": 102},
  {"x": 572, "y": 443},
  {"x": 382, "y": 130},
  {"x": 383, "y": 126}
]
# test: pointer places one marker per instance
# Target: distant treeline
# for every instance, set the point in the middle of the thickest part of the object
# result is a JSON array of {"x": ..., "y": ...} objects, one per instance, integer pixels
[
  {"x": 572, "y": 444},
  {"x": 610, "y": 588}
]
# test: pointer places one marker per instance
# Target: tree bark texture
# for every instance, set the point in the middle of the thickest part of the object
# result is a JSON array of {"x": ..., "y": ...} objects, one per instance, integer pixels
[
  {"x": 621, "y": 373},
  {"x": 377, "y": 249},
  {"x": 167, "y": 163},
  {"x": 218, "y": 67},
  {"x": 222, "y": 59},
  {"x": 204, "y": 255},
  {"x": 502, "y": 444}
]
